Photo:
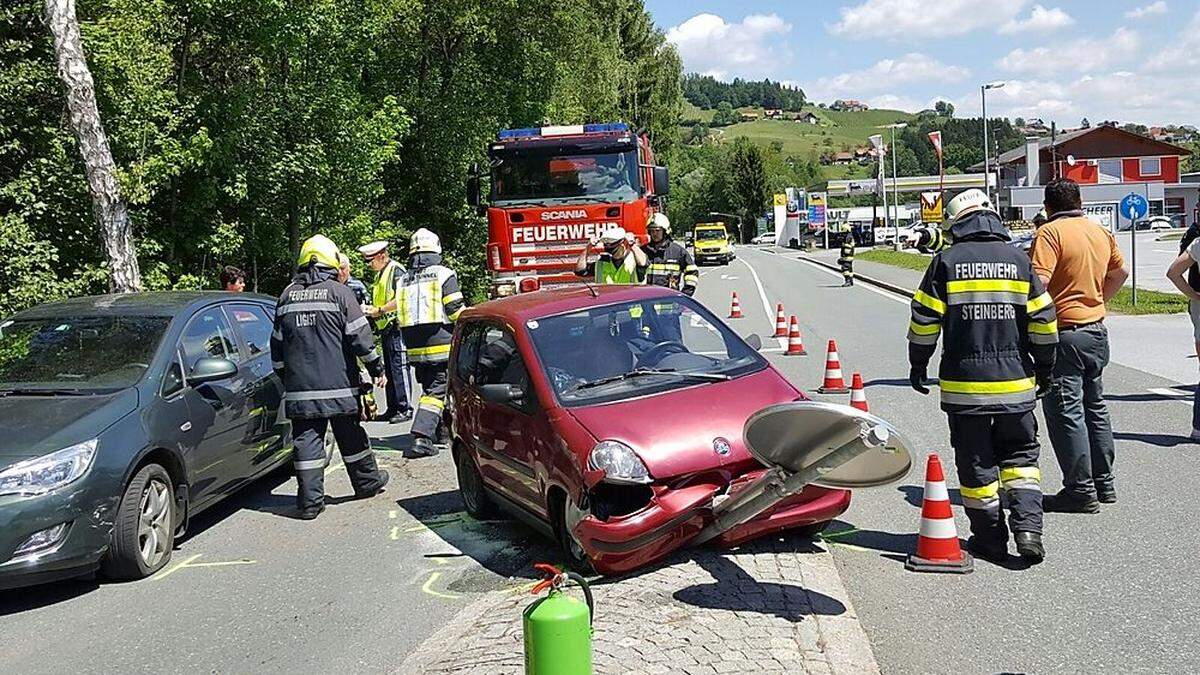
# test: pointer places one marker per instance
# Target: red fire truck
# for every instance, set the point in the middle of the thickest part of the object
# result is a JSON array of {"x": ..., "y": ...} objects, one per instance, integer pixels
[{"x": 552, "y": 189}]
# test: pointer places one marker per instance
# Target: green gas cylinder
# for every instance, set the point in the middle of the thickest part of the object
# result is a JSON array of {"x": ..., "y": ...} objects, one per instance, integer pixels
[{"x": 558, "y": 629}]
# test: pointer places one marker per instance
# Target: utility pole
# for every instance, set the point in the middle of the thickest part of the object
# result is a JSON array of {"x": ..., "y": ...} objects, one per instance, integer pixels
[{"x": 987, "y": 152}]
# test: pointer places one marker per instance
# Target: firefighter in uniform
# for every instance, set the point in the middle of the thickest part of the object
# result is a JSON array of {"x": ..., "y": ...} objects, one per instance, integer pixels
[
  {"x": 320, "y": 334},
  {"x": 428, "y": 302},
  {"x": 997, "y": 359},
  {"x": 670, "y": 263},
  {"x": 846, "y": 259},
  {"x": 382, "y": 309}
]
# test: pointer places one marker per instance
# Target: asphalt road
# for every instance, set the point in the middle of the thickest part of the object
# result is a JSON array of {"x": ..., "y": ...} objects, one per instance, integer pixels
[
  {"x": 253, "y": 590},
  {"x": 1117, "y": 589},
  {"x": 1153, "y": 258}
]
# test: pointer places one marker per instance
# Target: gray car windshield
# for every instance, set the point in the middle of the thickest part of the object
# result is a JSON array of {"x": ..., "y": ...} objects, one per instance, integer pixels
[
  {"x": 77, "y": 353},
  {"x": 535, "y": 176},
  {"x": 614, "y": 352}
]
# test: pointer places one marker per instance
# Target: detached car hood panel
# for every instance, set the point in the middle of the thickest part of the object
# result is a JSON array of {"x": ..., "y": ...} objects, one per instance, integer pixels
[
  {"x": 31, "y": 426},
  {"x": 674, "y": 432}
]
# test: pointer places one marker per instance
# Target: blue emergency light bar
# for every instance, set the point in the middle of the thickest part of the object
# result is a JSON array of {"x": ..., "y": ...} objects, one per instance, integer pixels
[{"x": 570, "y": 130}]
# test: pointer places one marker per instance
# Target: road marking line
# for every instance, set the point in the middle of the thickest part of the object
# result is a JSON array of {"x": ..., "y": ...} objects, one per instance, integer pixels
[
  {"x": 225, "y": 563},
  {"x": 762, "y": 295},
  {"x": 1173, "y": 394},
  {"x": 851, "y": 547},
  {"x": 395, "y": 533},
  {"x": 392, "y": 513},
  {"x": 839, "y": 533},
  {"x": 434, "y": 576},
  {"x": 864, "y": 286},
  {"x": 175, "y": 568}
]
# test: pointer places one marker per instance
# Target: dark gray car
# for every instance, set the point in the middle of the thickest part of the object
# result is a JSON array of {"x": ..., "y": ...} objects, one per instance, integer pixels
[{"x": 121, "y": 417}]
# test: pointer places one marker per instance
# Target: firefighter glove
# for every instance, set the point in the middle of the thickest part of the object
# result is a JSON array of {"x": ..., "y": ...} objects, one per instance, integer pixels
[
  {"x": 1045, "y": 382},
  {"x": 916, "y": 378}
]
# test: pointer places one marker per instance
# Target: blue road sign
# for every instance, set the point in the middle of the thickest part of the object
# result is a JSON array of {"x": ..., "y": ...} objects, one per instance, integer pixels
[{"x": 1134, "y": 206}]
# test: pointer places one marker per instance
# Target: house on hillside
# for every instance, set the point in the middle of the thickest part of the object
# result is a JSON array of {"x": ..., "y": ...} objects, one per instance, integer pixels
[
  {"x": 808, "y": 118},
  {"x": 772, "y": 113},
  {"x": 748, "y": 116},
  {"x": 863, "y": 155},
  {"x": 843, "y": 158},
  {"x": 1108, "y": 163},
  {"x": 848, "y": 105}
]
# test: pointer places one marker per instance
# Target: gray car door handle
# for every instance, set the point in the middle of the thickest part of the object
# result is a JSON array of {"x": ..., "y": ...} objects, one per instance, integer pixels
[{"x": 186, "y": 426}]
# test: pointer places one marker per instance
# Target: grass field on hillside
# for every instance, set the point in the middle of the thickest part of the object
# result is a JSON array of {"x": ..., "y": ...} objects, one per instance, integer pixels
[{"x": 839, "y": 131}]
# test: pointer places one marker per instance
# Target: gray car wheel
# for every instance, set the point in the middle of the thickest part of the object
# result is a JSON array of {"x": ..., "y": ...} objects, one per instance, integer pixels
[{"x": 143, "y": 533}]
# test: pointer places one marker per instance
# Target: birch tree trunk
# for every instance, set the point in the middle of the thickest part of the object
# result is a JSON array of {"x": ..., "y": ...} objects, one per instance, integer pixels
[{"x": 107, "y": 205}]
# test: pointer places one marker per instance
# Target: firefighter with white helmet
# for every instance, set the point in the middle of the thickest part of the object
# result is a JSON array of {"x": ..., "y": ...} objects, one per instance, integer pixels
[
  {"x": 320, "y": 335},
  {"x": 670, "y": 263},
  {"x": 428, "y": 302},
  {"x": 997, "y": 360},
  {"x": 622, "y": 262}
]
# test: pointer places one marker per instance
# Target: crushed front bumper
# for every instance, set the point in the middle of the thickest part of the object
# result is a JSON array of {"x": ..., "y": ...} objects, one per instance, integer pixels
[{"x": 676, "y": 514}]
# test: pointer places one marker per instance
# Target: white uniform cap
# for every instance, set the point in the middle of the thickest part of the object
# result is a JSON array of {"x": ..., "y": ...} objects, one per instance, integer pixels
[
  {"x": 612, "y": 235},
  {"x": 373, "y": 249}
]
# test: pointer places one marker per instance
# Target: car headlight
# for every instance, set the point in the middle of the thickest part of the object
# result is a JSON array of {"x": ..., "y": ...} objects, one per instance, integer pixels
[
  {"x": 49, "y": 472},
  {"x": 619, "y": 463}
]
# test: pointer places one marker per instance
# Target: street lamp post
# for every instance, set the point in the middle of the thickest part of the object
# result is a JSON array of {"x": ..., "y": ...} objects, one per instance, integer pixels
[
  {"x": 895, "y": 190},
  {"x": 987, "y": 184}
]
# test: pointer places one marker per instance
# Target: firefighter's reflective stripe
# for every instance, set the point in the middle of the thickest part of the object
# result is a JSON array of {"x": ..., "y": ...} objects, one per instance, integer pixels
[
  {"x": 1043, "y": 333},
  {"x": 432, "y": 404},
  {"x": 383, "y": 291},
  {"x": 420, "y": 299},
  {"x": 923, "y": 334},
  {"x": 1035, "y": 305},
  {"x": 277, "y": 365},
  {"x": 691, "y": 275},
  {"x": 989, "y": 393},
  {"x": 929, "y": 302},
  {"x": 311, "y": 306},
  {"x": 449, "y": 300},
  {"x": 985, "y": 497},
  {"x": 355, "y": 325},
  {"x": 318, "y": 394},
  {"x": 357, "y": 457},
  {"x": 429, "y": 353},
  {"x": 309, "y": 464},
  {"x": 1007, "y": 285},
  {"x": 1021, "y": 478}
]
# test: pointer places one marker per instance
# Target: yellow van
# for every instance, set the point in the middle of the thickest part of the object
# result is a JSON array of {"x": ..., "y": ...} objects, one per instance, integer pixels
[{"x": 711, "y": 243}]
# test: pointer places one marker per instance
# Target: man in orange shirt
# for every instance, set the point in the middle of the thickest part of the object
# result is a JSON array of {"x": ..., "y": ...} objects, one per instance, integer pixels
[{"x": 1081, "y": 266}]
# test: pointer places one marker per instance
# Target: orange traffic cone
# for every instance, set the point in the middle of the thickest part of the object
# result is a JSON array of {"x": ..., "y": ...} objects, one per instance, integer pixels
[
  {"x": 858, "y": 395},
  {"x": 795, "y": 344},
  {"x": 937, "y": 543},
  {"x": 735, "y": 310},
  {"x": 835, "y": 383},
  {"x": 781, "y": 324}
]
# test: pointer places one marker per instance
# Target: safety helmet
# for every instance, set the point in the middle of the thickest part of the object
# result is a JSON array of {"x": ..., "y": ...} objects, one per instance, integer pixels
[
  {"x": 659, "y": 220},
  {"x": 320, "y": 249},
  {"x": 612, "y": 235},
  {"x": 424, "y": 241},
  {"x": 966, "y": 203}
]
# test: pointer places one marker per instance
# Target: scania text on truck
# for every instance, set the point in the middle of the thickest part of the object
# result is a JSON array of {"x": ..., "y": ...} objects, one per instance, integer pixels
[{"x": 554, "y": 188}]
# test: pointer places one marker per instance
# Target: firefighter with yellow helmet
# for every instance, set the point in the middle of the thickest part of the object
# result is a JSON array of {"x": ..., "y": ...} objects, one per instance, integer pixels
[
  {"x": 320, "y": 335},
  {"x": 997, "y": 360},
  {"x": 428, "y": 302}
]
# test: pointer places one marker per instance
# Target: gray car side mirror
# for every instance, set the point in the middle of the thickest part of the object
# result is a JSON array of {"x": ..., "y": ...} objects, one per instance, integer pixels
[{"x": 211, "y": 369}]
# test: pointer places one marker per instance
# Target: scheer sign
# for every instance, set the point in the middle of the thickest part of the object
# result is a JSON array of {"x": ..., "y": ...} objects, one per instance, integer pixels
[{"x": 566, "y": 232}]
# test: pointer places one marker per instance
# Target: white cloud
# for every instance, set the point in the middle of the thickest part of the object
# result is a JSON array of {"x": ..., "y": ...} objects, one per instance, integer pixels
[
  {"x": 1081, "y": 55},
  {"x": 920, "y": 19},
  {"x": 1176, "y": 56},
  {"x": 752, "y": 47},
  {"x": 912, "y": 68},
  {"x": 1159, "y": 7},
  {"x": 1040, "y": 20}
]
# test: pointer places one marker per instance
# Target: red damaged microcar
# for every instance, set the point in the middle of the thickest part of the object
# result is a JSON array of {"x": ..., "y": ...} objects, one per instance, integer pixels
[{"x": 611, "y": 418}]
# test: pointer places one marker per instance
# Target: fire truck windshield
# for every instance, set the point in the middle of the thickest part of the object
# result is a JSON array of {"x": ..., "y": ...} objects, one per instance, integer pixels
[{"x": 549, "y": 174}]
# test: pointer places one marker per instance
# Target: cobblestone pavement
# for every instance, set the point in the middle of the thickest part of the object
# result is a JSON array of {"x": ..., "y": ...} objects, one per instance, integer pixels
[{"x": 776, "y": 605}]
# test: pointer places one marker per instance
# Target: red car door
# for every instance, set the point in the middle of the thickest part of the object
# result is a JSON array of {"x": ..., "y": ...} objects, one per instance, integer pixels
[{"x": 508, "y": 432}]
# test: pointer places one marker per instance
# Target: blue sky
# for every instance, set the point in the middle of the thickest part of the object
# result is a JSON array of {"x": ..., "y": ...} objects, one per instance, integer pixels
[{"x": 1129, "y": 60}]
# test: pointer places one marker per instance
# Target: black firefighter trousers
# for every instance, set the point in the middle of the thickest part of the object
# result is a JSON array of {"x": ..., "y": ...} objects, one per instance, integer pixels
[
  {"x": 998, "y": 454},
  {"x": 352, "y": 441},
  {"x": 432, "y": 376}
]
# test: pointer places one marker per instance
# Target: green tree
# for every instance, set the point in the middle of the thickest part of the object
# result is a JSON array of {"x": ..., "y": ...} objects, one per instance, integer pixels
[
  {"x": 725, "y": 115},
  {"x": 944, "y": 108},
  {"x": 747, "y": 183}
]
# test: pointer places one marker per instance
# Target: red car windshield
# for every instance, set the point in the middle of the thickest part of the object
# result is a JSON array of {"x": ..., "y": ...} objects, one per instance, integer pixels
[{"x": 615, "y": 352}]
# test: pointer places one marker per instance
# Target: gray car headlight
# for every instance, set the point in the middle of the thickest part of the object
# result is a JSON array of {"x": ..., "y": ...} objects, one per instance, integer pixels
[
  {"x": 619, "y": 463},
  {"x": 48, "y": 472}
]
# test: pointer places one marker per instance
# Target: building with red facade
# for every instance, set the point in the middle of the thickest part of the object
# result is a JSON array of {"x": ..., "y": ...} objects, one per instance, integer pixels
[{"x": 1108, "y": 163}]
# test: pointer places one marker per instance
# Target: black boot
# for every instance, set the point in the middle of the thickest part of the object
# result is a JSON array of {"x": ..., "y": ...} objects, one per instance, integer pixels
[
  {"x": 990, "y": 550},
  {"x": 1068, "y": 502},
  {"x": 375, "y": 488},
  {"x": 423, "y": 447},
  {"x": 1029, "y": 546},
  {"x": 311, "y": 512}
]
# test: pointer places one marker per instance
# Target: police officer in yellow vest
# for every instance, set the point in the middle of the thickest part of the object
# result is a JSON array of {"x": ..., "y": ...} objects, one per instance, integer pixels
[
  {"x": 428, "y": 302},
  {"x": 398, "y": 392},
  {"x": 623, "y": 261}
]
